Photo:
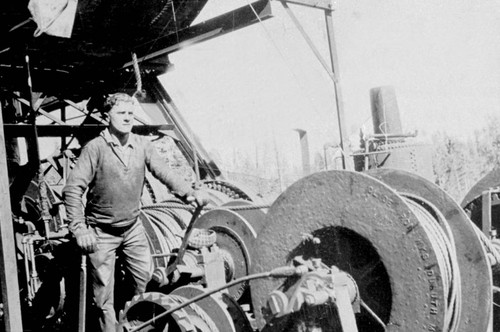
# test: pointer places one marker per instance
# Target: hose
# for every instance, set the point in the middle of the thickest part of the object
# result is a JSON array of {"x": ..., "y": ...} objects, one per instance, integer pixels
[{"x": 205, "y": 208}]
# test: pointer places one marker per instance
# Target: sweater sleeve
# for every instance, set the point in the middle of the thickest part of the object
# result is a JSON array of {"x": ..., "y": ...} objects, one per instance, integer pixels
[
  {"x": 168, "y": 176},
  {"x": 76, "y": 185}
]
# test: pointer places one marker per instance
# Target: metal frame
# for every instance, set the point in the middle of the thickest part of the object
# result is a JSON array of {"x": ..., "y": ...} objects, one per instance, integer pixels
[
  {"x": 39, "y": 105},
  {"x": 334, "y": 70}
]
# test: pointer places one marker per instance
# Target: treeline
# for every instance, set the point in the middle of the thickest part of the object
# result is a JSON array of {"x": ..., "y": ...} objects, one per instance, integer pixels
[{"x": 459, "y": 162}]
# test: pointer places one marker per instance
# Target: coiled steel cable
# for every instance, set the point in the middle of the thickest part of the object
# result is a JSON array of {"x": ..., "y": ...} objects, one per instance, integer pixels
[
  {"x": 279, "y": 272},
  {"x": 443, "y": 244},
  {"x": 199, "y": 312}
]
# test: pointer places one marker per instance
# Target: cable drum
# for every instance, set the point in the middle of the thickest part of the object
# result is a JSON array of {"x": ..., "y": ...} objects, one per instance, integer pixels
[
  {"x": 164, "y": 230},
  {"x": 368, "y": 230},
  {"x": 441, "y": 238},
  {"x": 473, "y": 249}
]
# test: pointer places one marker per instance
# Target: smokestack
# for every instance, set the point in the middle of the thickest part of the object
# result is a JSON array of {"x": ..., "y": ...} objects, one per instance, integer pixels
[
  {"x": 304, "y": 149},
  {"x": 385, "y": 111}
]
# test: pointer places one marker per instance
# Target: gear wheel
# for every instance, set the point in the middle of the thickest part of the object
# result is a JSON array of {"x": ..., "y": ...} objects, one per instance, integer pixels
[
  {"x": 149, "y": 305},
  {"x": 231, "y": 191}
]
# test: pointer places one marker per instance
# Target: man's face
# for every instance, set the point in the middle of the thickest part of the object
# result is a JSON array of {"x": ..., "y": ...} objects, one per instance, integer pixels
[{"x": 121, "y": 117}]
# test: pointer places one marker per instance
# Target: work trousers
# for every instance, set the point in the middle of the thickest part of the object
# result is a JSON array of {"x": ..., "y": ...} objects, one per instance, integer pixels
[{"x": 133, "y": 245}]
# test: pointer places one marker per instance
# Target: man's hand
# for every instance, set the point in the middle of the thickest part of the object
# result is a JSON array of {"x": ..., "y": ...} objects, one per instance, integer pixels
[
  {"x": 86, "y": 240},
  {"x": 198, "y": 196}
]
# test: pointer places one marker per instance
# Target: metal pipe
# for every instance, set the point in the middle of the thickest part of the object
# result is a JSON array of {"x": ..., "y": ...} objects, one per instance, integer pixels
[
  {"x": 35, "y": 280},
  {"x": 304, "y": 149},
  {"x": 486, "y": 213},
  {"x": 338, "y": 92},
  {"x": 308, "y": 41},
  {"x": 27, "y": 267},
  {"x": 82, "y": 305},
  {"x": 182, "y": 249}
]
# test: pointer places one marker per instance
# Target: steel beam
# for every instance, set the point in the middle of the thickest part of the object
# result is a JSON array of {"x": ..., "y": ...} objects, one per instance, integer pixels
[
  {"x": 24, "y": 130},
  {"x": 320, "y": 4},
  {"x": 228, "y": 22},
  {"x": 333, "y": 72},
  {"x": 186, "y": 141},
  {"x": 338, "y": 92},
  {"x": 8, "y": 273}
]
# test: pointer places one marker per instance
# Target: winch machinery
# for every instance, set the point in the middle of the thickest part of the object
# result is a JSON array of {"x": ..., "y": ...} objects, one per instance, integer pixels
[
  {"x": 375, "y": 250},
  {"x": 384, "y": 250}
]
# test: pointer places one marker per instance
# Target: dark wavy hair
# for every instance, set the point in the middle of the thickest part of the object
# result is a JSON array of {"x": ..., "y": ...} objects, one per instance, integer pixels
[{"x": 117, "y": 98}]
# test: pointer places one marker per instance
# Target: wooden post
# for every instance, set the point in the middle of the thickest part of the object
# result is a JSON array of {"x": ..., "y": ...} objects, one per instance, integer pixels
[{"x": 8, "y": 266}]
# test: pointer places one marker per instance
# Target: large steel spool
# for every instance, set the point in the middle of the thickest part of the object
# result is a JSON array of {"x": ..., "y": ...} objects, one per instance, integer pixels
[
  {"x": 143, "y": 307},
  {"x": 475, "y": 270},
  {"x": 165, "y": 225},
  {"x": 369, "y": 230},
  {"x": 165, "y": 229},
  {"x": 482, "y": 205},
  {"x": 235, "y": 238}
]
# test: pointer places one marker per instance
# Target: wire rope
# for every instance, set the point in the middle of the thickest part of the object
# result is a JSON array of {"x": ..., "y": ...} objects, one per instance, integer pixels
[
  {"x": 443, "y": 245},
  {"x": 205, "y": 208},
  {"x": 199, "y": 312}
]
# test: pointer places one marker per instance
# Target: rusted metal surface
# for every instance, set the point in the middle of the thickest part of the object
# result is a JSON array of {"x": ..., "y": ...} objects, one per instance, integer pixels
[
  {"x": 255, "y": 217},
  {"x": 475, "y": 271},
  {"x": 318, "y": 216}
]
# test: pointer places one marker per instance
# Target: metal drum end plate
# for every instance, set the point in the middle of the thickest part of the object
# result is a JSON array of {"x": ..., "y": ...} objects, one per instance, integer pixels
[
  {"x": 354, "y": 215},
  {"x": 475, "y": 271}
]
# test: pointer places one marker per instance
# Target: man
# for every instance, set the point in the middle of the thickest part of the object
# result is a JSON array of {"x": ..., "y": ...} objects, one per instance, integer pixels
[{"x": 112, "y": 168}]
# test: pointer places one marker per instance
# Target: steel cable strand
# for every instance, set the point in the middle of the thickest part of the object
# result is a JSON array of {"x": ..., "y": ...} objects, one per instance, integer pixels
[
  {"x": 176, "y": 228},
  {"x": 182, "y": 222},
  {"x": 441, "y": 239},
  {"x": 279, "y": 272},
  {"x": 165, "y": 245},
  {"x": 167, "y": 220},
  {"x": 167, "y": 235},
  {"x": 205, "y": 208},
  {"x": 172, "y": 239},
  {"x": 199, "y": 311},
  {"x": 451, "y": 279},
  {"x": 456, "y": 293},
  {"x": 158, "y": 219},
  {"x": 174, "y": 210}
]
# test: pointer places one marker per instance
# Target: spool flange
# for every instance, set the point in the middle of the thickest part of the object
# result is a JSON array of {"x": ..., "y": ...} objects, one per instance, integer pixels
[
  {"x": 366, "y": 229},
  {"x": 475, "y": 271}
]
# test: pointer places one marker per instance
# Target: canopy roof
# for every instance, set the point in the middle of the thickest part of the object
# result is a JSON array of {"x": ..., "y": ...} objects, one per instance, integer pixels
[{"x": 104, "y": 36}]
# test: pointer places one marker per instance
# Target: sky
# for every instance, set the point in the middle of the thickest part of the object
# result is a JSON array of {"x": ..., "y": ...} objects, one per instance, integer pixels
[{"x": 250, "y": 89}]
